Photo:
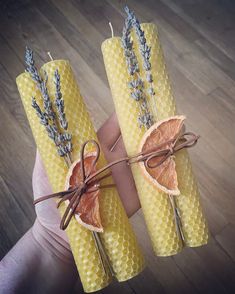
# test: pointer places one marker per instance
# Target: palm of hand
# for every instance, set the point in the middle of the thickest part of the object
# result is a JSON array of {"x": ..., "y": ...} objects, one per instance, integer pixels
[{"x": 47, "y": 213}]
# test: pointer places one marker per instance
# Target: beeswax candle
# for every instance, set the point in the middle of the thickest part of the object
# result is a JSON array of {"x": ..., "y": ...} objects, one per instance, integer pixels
[
  {"x": 155, "y": 204},
  {"x": 118, "y": 237}
]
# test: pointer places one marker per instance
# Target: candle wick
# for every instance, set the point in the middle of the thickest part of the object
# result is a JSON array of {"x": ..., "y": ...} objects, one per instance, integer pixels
[
  {"x": 115, "y": 143},
  {"x": 111, "y": 28},
  {"x": 49, "y": 54}
]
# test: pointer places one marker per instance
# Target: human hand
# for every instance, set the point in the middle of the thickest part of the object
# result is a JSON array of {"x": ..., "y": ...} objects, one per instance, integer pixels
[
  {"x": 48, "y": 217},
  {"x": 42, "y": 261}
]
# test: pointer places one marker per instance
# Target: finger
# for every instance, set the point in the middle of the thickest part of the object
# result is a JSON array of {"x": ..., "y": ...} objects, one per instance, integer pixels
[
  {"x": 47, "y": 212},
  {"x": 38, "y": 165},
  {"x": 124, "y": 181},
  {"x": 40, "y": 182},
  {"x": 109, "y": 132}
]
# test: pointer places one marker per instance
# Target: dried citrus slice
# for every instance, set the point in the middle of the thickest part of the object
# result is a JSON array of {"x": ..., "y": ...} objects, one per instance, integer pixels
[
  {"x": 87, "y": 212},
  {"x": 164, "y": 176}
]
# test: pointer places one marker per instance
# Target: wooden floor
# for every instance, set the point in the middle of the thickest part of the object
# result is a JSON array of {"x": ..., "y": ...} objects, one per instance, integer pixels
[{"x": 198, "y": 39}]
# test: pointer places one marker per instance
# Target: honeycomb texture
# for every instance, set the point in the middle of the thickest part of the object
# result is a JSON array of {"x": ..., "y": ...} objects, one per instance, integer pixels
[
  {"x": 118, "y": 237},
  {"x": 155, "y": 204}
]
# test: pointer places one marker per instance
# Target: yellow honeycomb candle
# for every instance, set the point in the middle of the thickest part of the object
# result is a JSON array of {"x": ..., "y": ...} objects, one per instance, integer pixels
[
  {"x": 155, "y": 204},
  {"x": 118, "y": 237}
]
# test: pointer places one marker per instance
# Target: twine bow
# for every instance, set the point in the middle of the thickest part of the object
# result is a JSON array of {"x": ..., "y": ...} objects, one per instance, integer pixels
[{"x": 91, "y": 182}]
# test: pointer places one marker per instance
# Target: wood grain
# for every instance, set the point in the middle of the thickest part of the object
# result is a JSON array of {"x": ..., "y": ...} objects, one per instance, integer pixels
[{"x": 198, "y": 39}]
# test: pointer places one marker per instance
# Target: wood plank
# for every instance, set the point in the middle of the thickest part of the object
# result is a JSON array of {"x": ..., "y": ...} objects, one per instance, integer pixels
[
  {"x": 11, "y": 95},
  {"x": 13, "y": 219},
  {"x": 17, "y": 156},
  {"x": 161, "y": 267},
  {"x": 226, "y": 238},
  {"x": 16, "y": 162},
  {"x": 9, "y": 60},
  {"x": 215, "y": 258},
  {"x": 213, "y": 19},
  {"x": 117, "y": 288},
  {"x": 99, "y": 13},
  {"x": 146, "y": 282},
  {"x": 73, "y": 35},
  {"x": 212, "y": 150},
  {"x": 187, "y": 55},
  {"x": 196, "y": 269},
  {"x": 217, "y": 56},
  {"x": 84, "y": 74}
]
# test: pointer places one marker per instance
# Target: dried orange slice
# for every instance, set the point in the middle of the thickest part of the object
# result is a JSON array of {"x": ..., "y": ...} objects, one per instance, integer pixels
[
  {"x": 88, "y": 211},
  {"x": 164, "y": 176}
]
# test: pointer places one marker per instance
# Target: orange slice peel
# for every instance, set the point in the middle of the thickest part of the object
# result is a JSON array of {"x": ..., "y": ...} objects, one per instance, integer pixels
[
  {"x": 164, "y": 176},
  {"x": 87, "y": 212}
]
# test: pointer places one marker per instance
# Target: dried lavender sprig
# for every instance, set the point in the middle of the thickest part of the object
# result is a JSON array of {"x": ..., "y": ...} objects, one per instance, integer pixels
[
  {"x": 145, "y": 52},
  {"x": 59, "y": 102},
  {"x": 41, "y": 83},
  {"x": 64, "y": 150},
  {"x": 57, "y": 138},
  {"x": 127, "y": 44},
  {"x": 44, "y": 121},
  {"x": 137, "y": 85},
  {"x": 31, "y": 68},
  {"x": 48, "y": 118},
  {"x": 65, "y": 138}
]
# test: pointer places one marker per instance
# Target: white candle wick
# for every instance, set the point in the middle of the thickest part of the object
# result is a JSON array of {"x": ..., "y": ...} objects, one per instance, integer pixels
[
  {"x": 111, "y": 28},
  {"x": 115, "y": 143},
  {"x": 49, "y": 54}
]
